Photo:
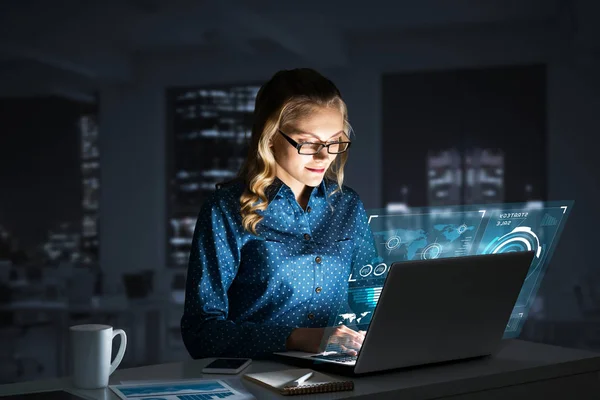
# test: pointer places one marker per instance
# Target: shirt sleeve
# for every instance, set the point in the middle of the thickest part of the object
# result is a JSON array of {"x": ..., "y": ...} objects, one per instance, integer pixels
[{"x": 213, "y": 265}]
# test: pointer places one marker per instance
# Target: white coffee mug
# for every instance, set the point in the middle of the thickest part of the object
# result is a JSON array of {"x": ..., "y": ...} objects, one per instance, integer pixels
[{"x": 91, "y": 354}]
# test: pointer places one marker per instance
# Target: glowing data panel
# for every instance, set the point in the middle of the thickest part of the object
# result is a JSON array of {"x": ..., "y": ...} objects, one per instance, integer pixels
[
  {"x": 425, "y": 234},
  {"x": 524, "y": 230}
]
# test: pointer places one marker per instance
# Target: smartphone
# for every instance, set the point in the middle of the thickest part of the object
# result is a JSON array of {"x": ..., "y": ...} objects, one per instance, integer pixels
[{"x": 227, "y": 365}]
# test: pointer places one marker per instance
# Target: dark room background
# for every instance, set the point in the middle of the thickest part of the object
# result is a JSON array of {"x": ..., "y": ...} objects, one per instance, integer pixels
[
  {"x": 118, "y": 118},
  {"x": 471, "y": 136},
  {"x": 49, "y": 174}
]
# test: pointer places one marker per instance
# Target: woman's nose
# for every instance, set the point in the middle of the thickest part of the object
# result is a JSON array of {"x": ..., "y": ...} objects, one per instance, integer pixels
[{"x": 322, "y": 155}]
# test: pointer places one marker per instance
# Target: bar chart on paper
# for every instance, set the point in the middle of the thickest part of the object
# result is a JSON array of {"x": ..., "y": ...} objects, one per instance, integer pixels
[
  {"x": 205, "y": 396},
  {"x": 190, "y": 390}
]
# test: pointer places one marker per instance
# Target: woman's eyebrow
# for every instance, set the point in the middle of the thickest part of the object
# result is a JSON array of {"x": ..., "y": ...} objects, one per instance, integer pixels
[{"x": 315, "y": 136}]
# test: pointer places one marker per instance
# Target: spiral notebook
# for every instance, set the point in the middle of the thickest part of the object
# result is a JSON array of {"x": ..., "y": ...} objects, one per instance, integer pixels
[{"x": 318, "y": 383}]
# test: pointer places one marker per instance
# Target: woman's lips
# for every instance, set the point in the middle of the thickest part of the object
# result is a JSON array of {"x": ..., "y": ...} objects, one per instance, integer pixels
[{"x": 316, "y": 170}]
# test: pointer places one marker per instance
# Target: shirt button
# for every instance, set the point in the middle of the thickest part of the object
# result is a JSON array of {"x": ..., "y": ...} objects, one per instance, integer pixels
[
  {"x": 308, "y": 209},
  {"x": 318, "y": 289},
  {"x": 318, "y": 260},
  {"x": 306, "y": 236},
  {"x": 311, "y": 316}
]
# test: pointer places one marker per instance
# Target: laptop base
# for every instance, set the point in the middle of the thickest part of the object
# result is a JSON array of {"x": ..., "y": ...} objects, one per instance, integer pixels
[{"x": 348, "y": 370}]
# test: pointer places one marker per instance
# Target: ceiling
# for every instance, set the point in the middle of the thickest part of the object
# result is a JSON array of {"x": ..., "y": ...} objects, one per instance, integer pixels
[{"x": 86, "y": 42}]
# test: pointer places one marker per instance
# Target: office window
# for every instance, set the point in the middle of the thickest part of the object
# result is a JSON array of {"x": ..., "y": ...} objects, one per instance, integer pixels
[
  {"x": 90, "y": 182},
  {"x": 471, "y": 136},
  {"x": 208, "y": 132},
  {"x": 49, "y": 156}
]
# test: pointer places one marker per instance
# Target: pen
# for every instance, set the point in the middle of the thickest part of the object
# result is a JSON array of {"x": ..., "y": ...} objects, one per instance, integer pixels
[{"x": 299, "y": 381}]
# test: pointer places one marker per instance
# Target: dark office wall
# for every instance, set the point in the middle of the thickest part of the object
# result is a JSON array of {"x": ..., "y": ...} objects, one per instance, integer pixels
[
  {"x": 494, "y": 107},
  {"x": 133, "y": 174},
  {"x": 361, "y": 89},
  {"x": 574, "y": 173}
]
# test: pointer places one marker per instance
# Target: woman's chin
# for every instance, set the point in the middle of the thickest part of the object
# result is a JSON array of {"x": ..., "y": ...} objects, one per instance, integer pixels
[{"x": 313, "y": 181}]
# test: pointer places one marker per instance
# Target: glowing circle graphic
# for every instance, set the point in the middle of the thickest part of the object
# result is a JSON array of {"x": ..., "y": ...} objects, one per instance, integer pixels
[
  {"x": 432, "y": 251},
  {"x": 366, "y": 270},
  {"x": 380, "y": 269},
  {"x": 462, "y": 229},
  {"x": 393, "y": 243},
  {"x": 522, "y": 238}
]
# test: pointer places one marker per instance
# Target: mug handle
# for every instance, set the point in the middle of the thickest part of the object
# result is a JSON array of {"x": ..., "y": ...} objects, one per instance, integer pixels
[{"x": 121, "y": 352}]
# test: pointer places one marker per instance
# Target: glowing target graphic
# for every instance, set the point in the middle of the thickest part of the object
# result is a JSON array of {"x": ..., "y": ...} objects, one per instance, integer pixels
[
  {"x": 393, "y": 243},
  {"x": 432, "y": 251},
  {"x": 521, "y": 238}
]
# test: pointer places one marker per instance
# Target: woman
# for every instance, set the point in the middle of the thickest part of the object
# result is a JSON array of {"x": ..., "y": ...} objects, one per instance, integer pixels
[{"x": 273, "y": 250}]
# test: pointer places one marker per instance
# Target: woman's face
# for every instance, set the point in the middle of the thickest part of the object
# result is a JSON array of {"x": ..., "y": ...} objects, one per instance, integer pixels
[{"x": 324, "y": 125}]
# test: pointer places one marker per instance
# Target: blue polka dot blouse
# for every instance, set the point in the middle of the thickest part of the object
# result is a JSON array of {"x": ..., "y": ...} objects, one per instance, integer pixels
[{"x": 245, "y": 293}]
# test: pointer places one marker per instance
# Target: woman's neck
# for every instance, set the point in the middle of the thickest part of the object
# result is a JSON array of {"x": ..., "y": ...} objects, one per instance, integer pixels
[
  {"x": 301, "y": 191},
  {"x": 303, "y": 197}
]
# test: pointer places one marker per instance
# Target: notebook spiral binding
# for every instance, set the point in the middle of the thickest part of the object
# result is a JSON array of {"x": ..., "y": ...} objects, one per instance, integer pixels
[{"x": 320, "y": 388}]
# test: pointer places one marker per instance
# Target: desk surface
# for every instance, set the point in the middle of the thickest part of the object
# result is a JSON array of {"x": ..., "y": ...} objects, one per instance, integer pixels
[{"x": 517, "y": 363}]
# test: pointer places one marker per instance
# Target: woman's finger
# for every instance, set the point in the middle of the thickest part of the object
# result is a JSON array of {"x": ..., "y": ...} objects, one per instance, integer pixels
[
  {"x": 335, "y": 348},
  {"x": 353, "y": 345},
  {"x": 341, "y": 337},
  {"x": 345, "y": 339},
  {"x": 353, "y": 341},
  {"x": 349, "y": 351},
  {"x": 343, "y": 329},
  {"x": 356, "y": 337}
]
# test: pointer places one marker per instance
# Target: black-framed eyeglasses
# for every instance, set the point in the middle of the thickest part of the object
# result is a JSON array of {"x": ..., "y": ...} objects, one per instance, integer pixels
[{"x": 309, "y": 148}]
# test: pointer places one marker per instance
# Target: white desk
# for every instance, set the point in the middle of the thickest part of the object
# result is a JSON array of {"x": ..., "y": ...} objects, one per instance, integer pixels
[{"x": 522, "y": 370}]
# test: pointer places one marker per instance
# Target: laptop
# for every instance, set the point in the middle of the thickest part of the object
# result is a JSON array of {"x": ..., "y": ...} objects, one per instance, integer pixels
[{"x": 433, "y": 311}]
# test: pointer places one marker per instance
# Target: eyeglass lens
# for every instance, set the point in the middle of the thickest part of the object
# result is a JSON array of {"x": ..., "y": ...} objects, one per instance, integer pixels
[{"x": 314, "y": 148}]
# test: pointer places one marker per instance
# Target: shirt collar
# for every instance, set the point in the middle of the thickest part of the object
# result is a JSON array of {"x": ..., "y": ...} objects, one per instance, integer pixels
[{"x": 280, "y": 188}]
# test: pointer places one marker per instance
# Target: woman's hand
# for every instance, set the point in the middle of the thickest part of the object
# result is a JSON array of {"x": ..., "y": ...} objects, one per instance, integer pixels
[{"x": 315, "y": 340}]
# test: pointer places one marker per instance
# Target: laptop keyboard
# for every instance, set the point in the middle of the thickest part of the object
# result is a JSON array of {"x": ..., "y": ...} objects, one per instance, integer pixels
[{"x": 338, "y": 357}]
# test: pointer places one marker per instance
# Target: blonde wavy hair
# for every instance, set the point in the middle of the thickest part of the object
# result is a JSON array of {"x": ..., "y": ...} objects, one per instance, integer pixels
[{"x": 287, "y": 97}]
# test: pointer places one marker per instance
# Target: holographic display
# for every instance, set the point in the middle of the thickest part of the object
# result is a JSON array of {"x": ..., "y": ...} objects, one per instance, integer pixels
[
  {"x": 429, "y": 233},
  {"x": 362, "y": 302},
  {"x": 425, "y": 236}
]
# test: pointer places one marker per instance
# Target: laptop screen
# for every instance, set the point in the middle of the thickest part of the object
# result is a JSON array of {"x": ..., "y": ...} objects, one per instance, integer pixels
[{"x": 440, "y": 232}]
